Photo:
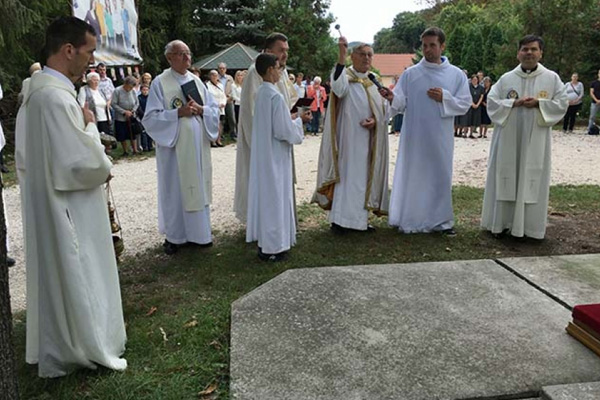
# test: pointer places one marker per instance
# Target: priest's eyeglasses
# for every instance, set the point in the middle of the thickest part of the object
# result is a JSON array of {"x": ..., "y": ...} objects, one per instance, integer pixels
[{"x": 182, "y": 53}]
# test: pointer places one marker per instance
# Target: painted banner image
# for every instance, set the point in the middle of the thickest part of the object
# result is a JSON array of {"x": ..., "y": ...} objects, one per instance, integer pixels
[{"x": 115, "y": 22}]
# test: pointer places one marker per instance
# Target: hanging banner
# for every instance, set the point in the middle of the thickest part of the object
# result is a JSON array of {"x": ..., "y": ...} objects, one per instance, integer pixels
[{"x": 115, "y": 22}]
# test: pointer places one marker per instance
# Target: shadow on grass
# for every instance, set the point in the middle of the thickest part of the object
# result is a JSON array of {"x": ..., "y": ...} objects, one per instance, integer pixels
[{"x": 177, "y": 309}]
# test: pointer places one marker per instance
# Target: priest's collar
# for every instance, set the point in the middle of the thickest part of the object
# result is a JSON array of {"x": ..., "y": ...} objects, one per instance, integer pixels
[
  {"x": 360, "y": 74},
  {"x": 435, "y": 65},
  {"x": 178, "y": 74},
  {"x": 528, "y": 71},
  {"x": 58, "y": 75}
]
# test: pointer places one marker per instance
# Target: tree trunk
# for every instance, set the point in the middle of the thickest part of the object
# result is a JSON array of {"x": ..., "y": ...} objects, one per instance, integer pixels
[{"x": 8, "y": 374}]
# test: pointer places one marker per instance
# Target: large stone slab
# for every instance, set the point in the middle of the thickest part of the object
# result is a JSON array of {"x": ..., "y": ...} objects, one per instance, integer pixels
[
  {"x": 579, "y": 391},
  {"x": 574, "y": 279},
  {"x": 456, "y": 330}
]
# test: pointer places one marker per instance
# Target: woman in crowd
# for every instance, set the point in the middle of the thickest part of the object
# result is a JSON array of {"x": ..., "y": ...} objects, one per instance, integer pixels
[
  {"x": 236, "y": 92},
  {"x": 96, "y": 102},
  {"x": 218, "y": 92},
  {"x": 125, "y": 103},
  {"x": 146, "y": 79},
  {"x": 474, "y": 114},
  {"x": 575, "y": 96},
  {"x": 485, "y": 118}
]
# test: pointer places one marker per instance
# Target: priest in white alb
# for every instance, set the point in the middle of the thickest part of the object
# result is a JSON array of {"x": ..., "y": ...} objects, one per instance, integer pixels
[
  {"x": 74, "y": 311},
  {"x": 430, "y": 94},
  {"x": 524, "y": 105},
  {"x": 271, "y": 218},
  {"x": 352, "y": 177},
  {"x": 277, "y": 44},
  {"x": 182, "y": 129}
]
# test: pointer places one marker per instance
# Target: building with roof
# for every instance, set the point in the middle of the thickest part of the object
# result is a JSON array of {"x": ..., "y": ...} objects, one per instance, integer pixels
[
  {"x": 237, "y": 56},
  {"x": 390, "y": 65}
]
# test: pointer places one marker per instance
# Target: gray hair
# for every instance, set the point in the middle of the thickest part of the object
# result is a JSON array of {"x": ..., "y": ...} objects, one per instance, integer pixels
[
  {"x": 317, "y": 79},
  {"x": 36, "y": 66},
  {"x": 213, "y": 72},
  {"x": 92, "y": 75},
  {"x": 486, "y": 79},
  {"x": 171, "y": 44},
  {"x": 359, "y": 47},
  {"x": 130, "y": 80}
]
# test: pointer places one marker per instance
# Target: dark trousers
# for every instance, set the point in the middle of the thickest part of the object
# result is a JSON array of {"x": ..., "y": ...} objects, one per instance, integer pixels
[
  {"x": 314, "y": 123},
  {"x": 229, "y": 125},
  {"x": 570, "y": 116}
]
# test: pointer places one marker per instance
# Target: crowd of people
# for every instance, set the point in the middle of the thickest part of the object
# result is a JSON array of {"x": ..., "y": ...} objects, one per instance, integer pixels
[{"x": 74, "y": 313}]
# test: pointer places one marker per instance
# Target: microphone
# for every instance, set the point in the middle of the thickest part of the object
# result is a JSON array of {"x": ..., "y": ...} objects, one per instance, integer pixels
[{"x": 371, "y": 76}]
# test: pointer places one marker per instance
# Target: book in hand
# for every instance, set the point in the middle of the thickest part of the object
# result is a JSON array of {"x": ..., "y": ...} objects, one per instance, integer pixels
[
  {"x": 303, "y": 102},
  {"x": 191, "y": 90}
]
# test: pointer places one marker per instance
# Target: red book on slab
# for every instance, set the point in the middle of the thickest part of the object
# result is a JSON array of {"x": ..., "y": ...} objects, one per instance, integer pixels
[{"x": 589, "y": 314}]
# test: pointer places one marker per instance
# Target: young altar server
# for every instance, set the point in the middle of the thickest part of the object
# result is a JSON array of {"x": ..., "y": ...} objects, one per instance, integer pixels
[{"x": 270, "y": 218}]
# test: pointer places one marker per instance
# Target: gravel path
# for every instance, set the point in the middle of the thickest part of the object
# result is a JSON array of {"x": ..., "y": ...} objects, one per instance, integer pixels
[{"x": 575, "y": 160}]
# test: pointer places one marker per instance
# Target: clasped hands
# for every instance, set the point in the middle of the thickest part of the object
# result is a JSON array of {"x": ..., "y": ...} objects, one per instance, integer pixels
[
  {"x": 368, "y": 123},
  {"x": 528, "y": 102},
  {"x": 191, "y": 109}
]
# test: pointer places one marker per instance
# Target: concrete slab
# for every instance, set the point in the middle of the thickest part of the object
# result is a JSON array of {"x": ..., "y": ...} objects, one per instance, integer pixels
[
  {"x": 574, "y": 279},
  {"x": 455, "y": 330},
  {"x": 579, "y": 391}
]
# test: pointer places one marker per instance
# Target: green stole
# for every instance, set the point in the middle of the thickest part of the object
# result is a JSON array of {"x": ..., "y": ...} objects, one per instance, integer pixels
[{"x": 193, "y": 198}]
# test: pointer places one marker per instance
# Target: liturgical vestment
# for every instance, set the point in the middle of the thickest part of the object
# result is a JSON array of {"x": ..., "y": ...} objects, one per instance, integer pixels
[
  {"x": 352, "y": 177},
  {"x": 422, "y": 189},
  {"x": 271, "y": 206},
  {"x": 252, "y": 81},
  {"x": 183, "y": 160},
  {"x": 518, "y": 178},
  {"x": 74, "y": 312}
]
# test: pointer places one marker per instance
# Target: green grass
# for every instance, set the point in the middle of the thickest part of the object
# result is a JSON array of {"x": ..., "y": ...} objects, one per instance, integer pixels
[{"x": 193, "y": 292}]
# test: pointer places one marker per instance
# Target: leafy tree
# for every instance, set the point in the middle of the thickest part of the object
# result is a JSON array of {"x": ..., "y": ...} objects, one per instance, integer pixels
[
  {"x": 306, "y": 24},
  {"x": 386, "y": 42},
  {"x": 404, "y": 35}
]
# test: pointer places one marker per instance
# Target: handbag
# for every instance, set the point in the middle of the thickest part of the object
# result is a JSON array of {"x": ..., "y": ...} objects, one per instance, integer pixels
[{"x": 135, "y": 126}]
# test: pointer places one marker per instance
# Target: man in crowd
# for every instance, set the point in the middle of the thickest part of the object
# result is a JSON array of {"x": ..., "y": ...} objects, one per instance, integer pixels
[
  {"x": 438, "y": 91},
  {"x": 227, "y": 82},
  {"x": 299, "y": 85},
  {"x": 74, "y": 314},
  {"x": 523, "y": 105},
  {"x": 352, "y": 176},
  {"x": 595, "y": 104},
  {"x": 277, "y": 44},
  {"x": 271, "y": 218},
  {"x": 106, "y": 85},
  {"x": 182, "y": 129}
]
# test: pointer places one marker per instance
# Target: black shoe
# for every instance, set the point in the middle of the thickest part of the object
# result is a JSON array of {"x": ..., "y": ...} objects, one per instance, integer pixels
[
  {"x": 4, "y": 169},
  {"x": 449, "y": 232},
  {"x": 170, "y": 248},
  {"x": 272, "y": 257},
  {"x": 371, "y": 228},
  {"x": 338, "y": 230},
  {"x": 501, "y": 234},
  {"x": 10, "y": 261}
]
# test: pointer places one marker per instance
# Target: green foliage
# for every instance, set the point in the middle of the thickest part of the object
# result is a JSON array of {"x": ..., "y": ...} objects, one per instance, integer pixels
[
  {"x": 306, "y": 24},
  {"x": 22, "y": 39},
  {"x": 483, "y": 34},
  {"x": 403, "y": 36}
]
